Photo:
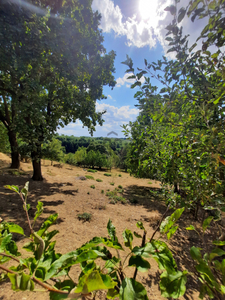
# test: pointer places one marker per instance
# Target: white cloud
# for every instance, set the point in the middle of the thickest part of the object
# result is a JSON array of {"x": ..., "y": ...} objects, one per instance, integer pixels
[
  {"x": 148, "y": 32},
  {"x": 110, "y": 97},
  {"x": 114, "y": 118},
  {"x": 124, "y": 80}
]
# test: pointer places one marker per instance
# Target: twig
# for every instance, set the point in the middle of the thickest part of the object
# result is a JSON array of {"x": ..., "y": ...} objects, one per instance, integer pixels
[
  {"x": 160, "y": 223},
  {"x": 3, "y": 254}
]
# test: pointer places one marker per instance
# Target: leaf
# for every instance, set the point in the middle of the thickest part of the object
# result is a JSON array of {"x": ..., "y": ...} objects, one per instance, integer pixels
[
  {"x": 206, "y": 223},
  {"x": 204, "y": 269},
  {"x": 173, "y": 285},
  {"x": 171, "y": 232},
  {"x": 141, "y": 264},
  {"x": 12, "y": 227},
  {"x": 21, "y": 282},
  {"x": 219, "y": 243},
  {"x": 39, "y": 211},
  {"x": 191, "y": 227},
  {"x": 14, "y": 188},
  {"x": 137, "y": 235},
  {"x": 24, "y": 190},
  {"x": 92, "y": 281},
  {"x": 172, "y": 9},
  {"x": 112, "y": 231},
  {"x": 181, "y": 14},
  {"x": 216, "y": 252},
  {"x": 50, "y": 221},
  {"x": 128, "y": 238},
  {"x": 5, "y": 241},
  {"x": 140, "y": 225},
  {"x": 196, "y": 254},
  {"x": 112, "y": 293},
  {"x": 170, "y": 220},
  {"x": 132, "y": 290}
]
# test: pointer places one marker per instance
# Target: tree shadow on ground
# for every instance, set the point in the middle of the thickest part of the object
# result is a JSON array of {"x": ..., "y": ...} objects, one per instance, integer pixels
[{"x": 11, "y": 205}]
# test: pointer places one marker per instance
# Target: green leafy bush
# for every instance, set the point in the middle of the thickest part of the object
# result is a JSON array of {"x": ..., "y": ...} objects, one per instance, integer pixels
[
  {"x": 92, "y": 186},
  {"x": 112, "y": 183},
  {"x": 93, "y": 171},
  {"x": 107, "y": 174},
  {"x": 102, "y": 191},
  {"x": 120, "y": 186},
  {"x": 84, "y": 217},
  {"x": 99, "y": 180}
]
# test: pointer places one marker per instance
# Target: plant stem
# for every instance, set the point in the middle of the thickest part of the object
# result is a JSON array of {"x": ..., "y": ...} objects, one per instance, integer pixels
[
  {"x": 25, "y": 208},
  {"x": 3, "y": 254},
  {"x": 160, "y": 223},
  {"x": 142, "y": 245}
]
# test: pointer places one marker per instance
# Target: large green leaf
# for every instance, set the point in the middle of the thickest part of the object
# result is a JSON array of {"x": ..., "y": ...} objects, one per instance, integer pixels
[
  {"x": 196, "y": 254},
  {"x": 93, "y": 281},
  {"x": 12, "y": 227},
  {"x": 141, "y": 264},
  {"x": 39, "y": 210},
  {"x": 50, "y": 221},
  {"x": 4, "y": 241},
  {"x": 21, "y": 282},
  {"x": 173, "y": 284},
  {"x": 132, "y": 290},
  {"x": 128, "y": 238},
  {"x": 206, "y": 223},
  {"x": 169, "y": 221},
  {"x": 13, "y": 188}
]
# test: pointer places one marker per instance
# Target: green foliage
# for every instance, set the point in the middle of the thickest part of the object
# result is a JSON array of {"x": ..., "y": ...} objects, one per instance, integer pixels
[
  {"x": 84, "y": 217},
  {"x": 4, "y": 140},
  {"x": 102, "y": 191},
  {"x": 99, "y": 180},
  {"x": 107, "y": 174},
  {"x": 112, "y": 183},
  {"x": 114, "y": 198},
  {"x": 120, "y": 186},
  {"x": 93, "y": 171},
  {"x": 43, "y": 263},
  {"x": 70, "y": 159},
  {"x": 93, "y": 186},
  {"x": 120, "y": 175},
  {"x": 54, "y": 151},
  {"x": 89, "y": 177}
]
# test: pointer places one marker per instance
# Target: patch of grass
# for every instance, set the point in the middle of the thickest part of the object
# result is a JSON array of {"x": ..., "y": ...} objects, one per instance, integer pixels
[
  {"x": 100, "y": 206},
  {"x": 99, "y": 180},
  {"x": 88, "y": 193},
  {"x": 107, "y": 174},
  {"x": 84, "y": 217},
  {"x": 149, "y": 182},
  {"x": 92, "y": 186},
  {"x": 120, "y": 186},
  {"x": 89, "y": 177},
  {"x": 112, "y": 183},
  {"x": 120, "y": 175},
  {"x": 93, "y": 171},
  {"x": 114, "y": 198},
  {"x": 102, "y": 191},
  {"x": 16, "y": 172},
  {"x": 121, "y": 191}
]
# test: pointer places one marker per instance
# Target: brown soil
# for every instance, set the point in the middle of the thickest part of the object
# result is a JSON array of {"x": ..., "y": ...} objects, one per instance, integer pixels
[{"x": 63, "y": 192}]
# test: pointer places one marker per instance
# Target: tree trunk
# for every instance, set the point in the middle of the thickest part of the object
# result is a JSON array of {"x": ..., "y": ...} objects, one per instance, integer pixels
[
  {"x": 36, "y": 161},
  {"x": 15, "y": 164}
]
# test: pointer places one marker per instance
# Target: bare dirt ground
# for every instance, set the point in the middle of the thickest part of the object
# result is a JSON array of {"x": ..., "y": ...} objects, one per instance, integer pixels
[{"x": 62, "y": 192}]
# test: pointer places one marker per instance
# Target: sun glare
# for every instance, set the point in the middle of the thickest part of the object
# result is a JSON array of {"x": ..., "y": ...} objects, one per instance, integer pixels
[{"x": 147, "y": 9}]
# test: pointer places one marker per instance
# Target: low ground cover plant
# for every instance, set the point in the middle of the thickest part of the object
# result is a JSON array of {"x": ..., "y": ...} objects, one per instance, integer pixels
[
  {"x": 99, "y": 180},
  {"x": 89, "y": 177},
  {"x": 93, "y": 171},
  {"x": 107, "y": 174},
  {"x": 93, "y": 186}
]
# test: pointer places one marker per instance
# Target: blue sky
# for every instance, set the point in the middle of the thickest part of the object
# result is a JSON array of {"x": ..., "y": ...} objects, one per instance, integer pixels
[{"x": 136, "y": 28}]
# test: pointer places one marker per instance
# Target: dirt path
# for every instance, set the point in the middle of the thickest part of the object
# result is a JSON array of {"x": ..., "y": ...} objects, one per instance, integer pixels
[{"x": 62, "y": 192}]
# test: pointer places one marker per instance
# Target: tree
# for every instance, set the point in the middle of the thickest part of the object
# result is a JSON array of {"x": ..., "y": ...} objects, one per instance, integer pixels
[
  {"x": 53, "y": 150},
  {"x": 61, "y": 67},
  {"x": 4, "y": 141},
  {"x": 178, "y": 137}
]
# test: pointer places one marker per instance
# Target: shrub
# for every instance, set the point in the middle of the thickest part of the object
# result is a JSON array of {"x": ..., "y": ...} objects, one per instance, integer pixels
[
  {"x": 89, "y": 177},
  {"x": 84, "y": 217},
  {"x": 120, "y": 175},
  {"x": 92, "y": 186},
  {"x": 92, "y": 171},
  {"x": 107, "y": 174},
  {"x": 102, "y": 191},
  {"x": 112, "y": 183},
  {"x": 120, "y": 186},
  {"x": 88, "y": 193},
  {"x": 98, "y": 180}
]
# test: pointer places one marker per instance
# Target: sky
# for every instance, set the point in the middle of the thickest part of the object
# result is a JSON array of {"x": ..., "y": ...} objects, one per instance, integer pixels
[{"x": 135, "y": 28}]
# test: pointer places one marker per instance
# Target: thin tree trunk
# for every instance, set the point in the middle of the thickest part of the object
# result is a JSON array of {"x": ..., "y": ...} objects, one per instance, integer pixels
[
  {"x": 36, "y": 161},
  {"x": 15, "y": 164}
]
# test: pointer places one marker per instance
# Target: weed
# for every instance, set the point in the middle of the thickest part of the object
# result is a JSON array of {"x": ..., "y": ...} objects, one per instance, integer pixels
[
  {"x": 88, "y": 193},
  {"x": 99, "y": 180},
  {"x": 120, "y": 186},
  {"x": 107, "y": 174},
  {"x": 89, "y": 177},
  {"x": 114, "y": 198},
  {"x": 112, "y": 183},
  {"x": 120, "y": 175},
  {"x": 102, "y": 191},
  {"x": 149, "y": 182},
  {"x": 92, "y": 186},
  {"x": 93, "y": 171},
  {"x": 121, "y": 191},
  {"x": 84, "y": 217}
]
